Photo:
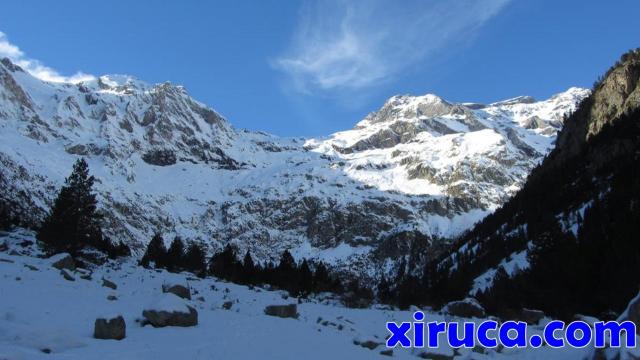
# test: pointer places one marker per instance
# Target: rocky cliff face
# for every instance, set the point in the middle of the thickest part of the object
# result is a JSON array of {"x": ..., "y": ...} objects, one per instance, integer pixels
[
  {"x": 419, "y": 170},
  {"x": 617, "y": 93}
]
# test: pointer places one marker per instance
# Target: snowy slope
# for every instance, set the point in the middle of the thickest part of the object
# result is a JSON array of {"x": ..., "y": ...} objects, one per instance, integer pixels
[
  {"x": 41, "y": 311},
  {"x": 165, "y": 162}
]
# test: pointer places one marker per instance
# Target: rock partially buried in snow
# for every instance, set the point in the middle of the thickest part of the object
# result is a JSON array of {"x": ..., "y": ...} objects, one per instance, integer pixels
[
  {"x": 177, "y": 289},
  {"x": 283, "y": 311},
  {"x": 109, "y": 284},
  {"x": 170, "y": 310},
  {"x": 31, "y": 267},
  {"x": 110, "y": 329},
  {"x": 84, "y": 274},
  {"x": 531, "y": 316},
  {"x": 467, "y": 308},
  {"x": 63, "y": 261},
  {"x": 67, "y": 275},
  {"x": 367, "y": 344},
  {"x": 227, "y": 305},
  {"x": 435, "y": 356}
]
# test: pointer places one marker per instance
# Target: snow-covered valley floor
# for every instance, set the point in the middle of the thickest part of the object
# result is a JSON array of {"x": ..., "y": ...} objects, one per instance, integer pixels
[{"x": 45, "y": 316}]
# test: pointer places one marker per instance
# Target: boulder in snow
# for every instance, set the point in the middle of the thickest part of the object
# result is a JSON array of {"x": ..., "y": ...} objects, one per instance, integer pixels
[
  {"x": 31, "y": 267},
  {"x": 110, "y": 329},
  {"x": 432, "y": 355},
  {"x": 3, "y": 246},
  {"x": 367, "y": 344},
  {"x": 181, "y": 290},
  {"x": 283, "y": 311},
  {"x": 170, "y": 310},
  {"x": 227, "y": 305},
  {"x": 467, "y": 308},
  {"x": 84, "y": 274},
  {"x": 531, "y": 316},
  {"x": 67, "y": 275},
  {"x": 109, "y": 284},
  {"x": 63, "y": 261}
]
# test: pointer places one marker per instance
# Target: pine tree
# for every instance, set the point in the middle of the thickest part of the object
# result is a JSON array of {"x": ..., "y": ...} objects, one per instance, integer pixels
[
  {"x": 249, "y": 269},
  {"x": 357, "y": 296},
  {"x": 321, "y": 278},
  {"x": 306, "y": 278},
  {"x": 156, "y": 252},
  {"x": 195, "y": 259},
  {"x": 175, "y": 255},
  {"x": 121, "y": 249},
  {"x": 409, "y": 292},
  {"x": 6, "y": 220},
  {"x": 286, "y": 273},
  {"x": 224, "y": 264},
  {"x": 385, "y": 294},
  {"x": 73, "y": 222},
  {"x": 287, "y": 262}
]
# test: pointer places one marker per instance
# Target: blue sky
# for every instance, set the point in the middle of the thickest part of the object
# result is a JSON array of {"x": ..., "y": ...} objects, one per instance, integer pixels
[{"x": 309, "y": 68}]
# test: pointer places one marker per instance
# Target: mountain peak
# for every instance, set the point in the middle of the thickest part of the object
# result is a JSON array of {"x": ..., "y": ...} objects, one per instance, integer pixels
[{"x": 10, "y": 65}]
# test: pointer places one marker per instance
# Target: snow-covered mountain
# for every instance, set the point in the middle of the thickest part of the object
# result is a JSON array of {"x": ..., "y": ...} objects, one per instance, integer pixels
[{"x": 418, "y": 170}]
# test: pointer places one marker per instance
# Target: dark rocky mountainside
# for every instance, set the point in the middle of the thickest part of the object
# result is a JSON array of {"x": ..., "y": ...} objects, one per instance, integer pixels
[{"x": 567, "y": 242}]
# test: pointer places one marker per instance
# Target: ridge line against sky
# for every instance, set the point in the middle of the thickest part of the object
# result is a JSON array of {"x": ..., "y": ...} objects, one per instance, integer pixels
[
  {"x": 312, "y": 68},
  {"x": 36, "y": 67}
]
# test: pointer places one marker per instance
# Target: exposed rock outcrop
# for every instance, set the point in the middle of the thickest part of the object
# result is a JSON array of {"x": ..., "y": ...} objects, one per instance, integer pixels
[
  {"x": 170, "y": 310},
  {"x": 467, "y": 308},
  {"x": 180, "y": 290},
  {"x": 283, "y": 311},
  {"x": 110, "y": 329},
  {"x": 63, "y": 261}
]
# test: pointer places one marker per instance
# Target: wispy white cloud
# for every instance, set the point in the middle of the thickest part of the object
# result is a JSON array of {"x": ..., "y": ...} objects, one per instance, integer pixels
[
  {"x": 35, "y": 67},
  {"x": 352, "y": 45}
]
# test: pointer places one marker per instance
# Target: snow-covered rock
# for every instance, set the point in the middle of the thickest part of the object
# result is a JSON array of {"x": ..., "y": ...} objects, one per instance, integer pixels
[
  {"x": 67, "y": 275},
  {"x": 62, "y": 261},
  {"x": 179, "y": 289},
  {"x": 468, "y": 308},
  {"x": 170, "y": 310}
]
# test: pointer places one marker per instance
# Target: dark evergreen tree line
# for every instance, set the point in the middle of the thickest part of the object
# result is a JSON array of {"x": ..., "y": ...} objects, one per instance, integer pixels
[
  {"x": 593, "y": 271},
  {"x": 177, "y": 257},
  {"x": 298, "y": 279}
]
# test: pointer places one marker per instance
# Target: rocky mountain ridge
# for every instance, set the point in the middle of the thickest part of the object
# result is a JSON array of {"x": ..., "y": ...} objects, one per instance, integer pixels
[{"x": 415, "y": 172}]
